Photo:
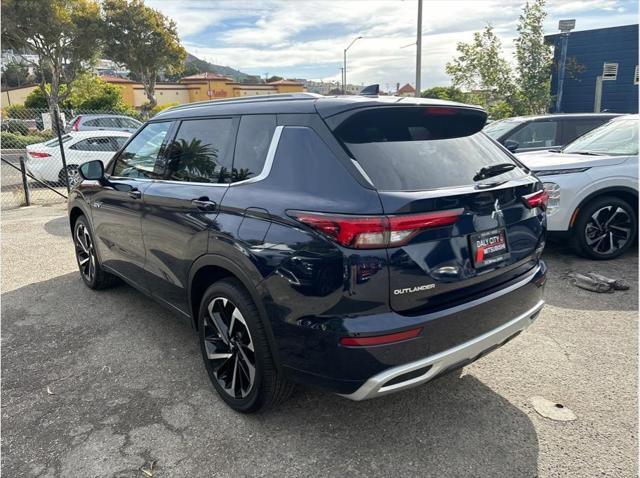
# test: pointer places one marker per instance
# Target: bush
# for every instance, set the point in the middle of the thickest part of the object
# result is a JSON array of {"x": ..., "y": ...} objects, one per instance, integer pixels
[
  {"x": 18, "y": 127},
  {"x": 16, "y": 141},
  {"x": 16, "y": 111},
  {"x": 158, "y": 108}
]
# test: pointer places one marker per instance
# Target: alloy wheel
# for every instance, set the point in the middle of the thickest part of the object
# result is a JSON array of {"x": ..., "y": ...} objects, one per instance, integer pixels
[
  {"x": 608, "y": 229},
  {"x": 85, "y": 253},
  {"x": 229, "y": 347}
]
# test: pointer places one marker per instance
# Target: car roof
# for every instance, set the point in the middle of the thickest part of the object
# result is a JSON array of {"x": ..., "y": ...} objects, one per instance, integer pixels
[
  {"x": 93, "y": 134},
  {"x": 294, "y": 103},
  {"x": 561, "y": 115},
  {"x": 93, "y": 116}
]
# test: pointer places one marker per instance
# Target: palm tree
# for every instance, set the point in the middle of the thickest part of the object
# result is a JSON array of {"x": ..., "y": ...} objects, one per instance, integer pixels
[{"x": 189, "y": 160}]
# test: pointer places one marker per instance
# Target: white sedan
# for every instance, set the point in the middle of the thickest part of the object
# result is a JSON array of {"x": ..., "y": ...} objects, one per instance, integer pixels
[
  {"x": 593, "y": 188},
  {"x": 44, "y": 160}
]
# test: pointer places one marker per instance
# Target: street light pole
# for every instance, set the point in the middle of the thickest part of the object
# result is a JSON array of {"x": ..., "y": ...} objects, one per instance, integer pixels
[
  {"x": 419, "y": 49},
  {"x": 565, "y": 26},
  {"x": 344, "y": 71}
]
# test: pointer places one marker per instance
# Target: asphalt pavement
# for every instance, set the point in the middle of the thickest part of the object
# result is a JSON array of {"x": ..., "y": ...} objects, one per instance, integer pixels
[{"x": 104, "y": 383}]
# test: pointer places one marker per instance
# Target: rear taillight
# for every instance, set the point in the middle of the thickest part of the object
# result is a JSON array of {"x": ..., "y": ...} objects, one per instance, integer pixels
[
  {"x": 76, "y": 124},
  {"x": 37, "y": 154},
  {"x": 374, "y": 232},
  {"x": 537, "y": 199}
]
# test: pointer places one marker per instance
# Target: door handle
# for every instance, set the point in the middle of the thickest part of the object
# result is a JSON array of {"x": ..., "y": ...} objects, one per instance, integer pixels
[
  {"x": 204, "y": 204},
  {"x": 135, "y": 194}
]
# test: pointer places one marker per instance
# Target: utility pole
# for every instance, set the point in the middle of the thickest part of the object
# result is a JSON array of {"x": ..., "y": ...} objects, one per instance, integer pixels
[
  {"x": 419, "y": 49},
  {"x": 342, "y": 78},
  {"x": 344, "y": 71},
  {"x": 565, "y": 26}
]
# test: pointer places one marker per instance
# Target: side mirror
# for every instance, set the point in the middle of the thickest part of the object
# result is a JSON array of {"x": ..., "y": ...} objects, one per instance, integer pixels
[
  {"x": 511, "y": 145},
  {"x": 93, "y": 170}
]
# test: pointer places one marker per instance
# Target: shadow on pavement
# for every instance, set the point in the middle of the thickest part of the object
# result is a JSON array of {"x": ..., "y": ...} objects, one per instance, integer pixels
[
  {"x": 58, "y": 227},
  {"x": 128, "y": 387},
  {"x": 560, "y": 292}
]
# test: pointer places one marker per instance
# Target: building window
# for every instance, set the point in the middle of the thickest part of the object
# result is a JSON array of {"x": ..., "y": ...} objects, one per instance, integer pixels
[
  {"x": 610, "y": 71},
  {"x": 636, "y": 77}
]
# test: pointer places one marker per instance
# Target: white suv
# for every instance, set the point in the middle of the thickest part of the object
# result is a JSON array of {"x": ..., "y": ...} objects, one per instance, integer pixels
[{"x": 593, "y": 188}]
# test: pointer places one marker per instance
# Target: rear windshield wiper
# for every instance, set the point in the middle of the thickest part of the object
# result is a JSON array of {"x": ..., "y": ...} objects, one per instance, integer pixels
[{"x": 494, "y": 170}]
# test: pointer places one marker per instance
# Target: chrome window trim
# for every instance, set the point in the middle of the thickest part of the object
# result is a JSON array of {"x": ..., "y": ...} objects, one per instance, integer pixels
[
  {"x": 268, "y": 162},
  {"x": 266, "y": 168}
]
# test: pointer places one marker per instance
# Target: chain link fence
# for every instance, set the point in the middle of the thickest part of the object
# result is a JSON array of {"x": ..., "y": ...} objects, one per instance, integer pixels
[{"x": 37, "y": 163}]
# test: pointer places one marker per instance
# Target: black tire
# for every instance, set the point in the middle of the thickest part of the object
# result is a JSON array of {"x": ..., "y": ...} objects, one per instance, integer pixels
[
  {"x": 91, "y": 272},
  {"x": 268, "y": 388},
  {"x": 72, "y": 172},
  {"x": 598, "y": 235}
]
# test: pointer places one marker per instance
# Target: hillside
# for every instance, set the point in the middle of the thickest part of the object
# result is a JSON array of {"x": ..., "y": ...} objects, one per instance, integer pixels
[{"x": 194, "y": 63}]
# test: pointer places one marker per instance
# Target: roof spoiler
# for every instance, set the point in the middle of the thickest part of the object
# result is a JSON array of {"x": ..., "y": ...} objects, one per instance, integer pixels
[{"x": 371, "y": 90}]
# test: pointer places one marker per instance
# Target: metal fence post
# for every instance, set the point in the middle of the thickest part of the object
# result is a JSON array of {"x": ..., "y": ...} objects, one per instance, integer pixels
[
  {"x": 25, "y": 182},
  {"x": 56, "y": 113}
]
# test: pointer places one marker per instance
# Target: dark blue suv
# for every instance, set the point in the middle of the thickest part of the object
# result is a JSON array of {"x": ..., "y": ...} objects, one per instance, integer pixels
[{"x": 361, "y": 244}]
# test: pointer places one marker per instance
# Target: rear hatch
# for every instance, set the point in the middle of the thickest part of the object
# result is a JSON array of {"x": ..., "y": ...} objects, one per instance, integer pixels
[{"x": 464, "y": 216}]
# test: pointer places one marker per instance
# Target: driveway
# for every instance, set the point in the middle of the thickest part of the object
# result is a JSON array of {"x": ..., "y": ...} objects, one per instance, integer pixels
[{"x": 100, "y": 384}]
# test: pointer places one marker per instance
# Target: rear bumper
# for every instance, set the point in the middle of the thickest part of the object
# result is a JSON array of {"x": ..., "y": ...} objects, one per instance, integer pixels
[
  {"x": 309, "y": 351},
  {"x": 421, "y": 371}
]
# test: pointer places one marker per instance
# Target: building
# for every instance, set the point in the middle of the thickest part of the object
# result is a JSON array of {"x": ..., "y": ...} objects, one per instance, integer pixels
[
  {"x": 406, "y": 90},
  {"x": 601, "y": 70},
  {"x": 200, "y": 87}
]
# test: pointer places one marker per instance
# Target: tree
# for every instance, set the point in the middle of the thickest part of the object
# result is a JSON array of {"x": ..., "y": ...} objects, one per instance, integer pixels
[
  {"x": 144, "y": 40},
  {"x": 533, "y": 58},
  {"x": 15, "y": 74},
  {"x": 90, "y": 92},
  {"x": 274, "y": 78},
  {"x": 450, "y": 93},
  {"x": 62, "y": 33},
  {"x": 481, "y": 70}
]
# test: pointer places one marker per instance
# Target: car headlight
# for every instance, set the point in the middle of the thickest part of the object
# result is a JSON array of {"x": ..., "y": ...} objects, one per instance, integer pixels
[
  {"x": 553, "y": 172},
  {"x": 553, "y": 203}
]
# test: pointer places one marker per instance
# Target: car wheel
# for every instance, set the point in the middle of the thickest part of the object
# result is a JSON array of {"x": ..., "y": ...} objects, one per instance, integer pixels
[
  {"x": 235, "y": 350},
  {"x": 605, "y": 228},
  {"x": 72, "y": 173},
  {"x": 90, "y": 270}
]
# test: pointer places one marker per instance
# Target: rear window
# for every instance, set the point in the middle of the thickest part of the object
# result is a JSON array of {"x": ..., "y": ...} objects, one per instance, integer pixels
[{"x": 411, "y": 149}]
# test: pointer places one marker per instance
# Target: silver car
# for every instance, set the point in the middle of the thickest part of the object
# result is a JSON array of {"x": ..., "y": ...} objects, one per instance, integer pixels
[{"x": 103, "y": 123}]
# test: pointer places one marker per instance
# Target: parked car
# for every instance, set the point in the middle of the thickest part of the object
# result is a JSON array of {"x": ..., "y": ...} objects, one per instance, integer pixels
[
  {"x": 536, "y": 133},
  {"x": 103, "y": 123},
  {"x": 44, "y": 160},
  {"x": 360, "y": 244},
  {"x": 593, "y": 188}
]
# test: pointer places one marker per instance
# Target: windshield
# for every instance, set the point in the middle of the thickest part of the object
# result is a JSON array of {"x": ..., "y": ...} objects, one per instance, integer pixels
[
  {"x": 498, "y": 128},
  {"x": 616, "y": 138},
  {"x": 408, "y": 150}
]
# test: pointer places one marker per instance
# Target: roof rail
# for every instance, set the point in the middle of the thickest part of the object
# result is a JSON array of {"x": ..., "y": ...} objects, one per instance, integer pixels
[{"x": 244, "y": 99}]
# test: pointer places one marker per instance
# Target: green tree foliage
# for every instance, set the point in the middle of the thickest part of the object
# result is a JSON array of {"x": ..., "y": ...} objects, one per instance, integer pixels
[
  {"x": 15, "y": 74},
  {"x": 486, "y": 77},
  {"x": 274, "y": 78},
  {"x": 91, "y": 93},
  {"x": 144, "y": 40},
  {"x": 38, "y": 100},
  {"x": 15, "y": 111},
  {"x": 159, "y": 108},
  {"x": 533, "y": 58},
  {"x": 481, "y": 70},
  {"x": 62, "y": 33},
  {"x": 450, "y": 93}
]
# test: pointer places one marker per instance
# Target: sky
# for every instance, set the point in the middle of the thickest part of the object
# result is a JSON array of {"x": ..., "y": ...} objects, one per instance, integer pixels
[{"x": 306, "y": 39}]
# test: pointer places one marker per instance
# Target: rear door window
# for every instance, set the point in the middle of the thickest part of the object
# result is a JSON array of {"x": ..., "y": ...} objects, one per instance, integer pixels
[
  {"x": 252, "y": 144},
  {"x": 408, "y": 150},
  {"x": 572, "y": 129},
  {"x": 536, "y": 134},
  {"x": 201, "y": 152},
  {"x": 94, "y": 144}
]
